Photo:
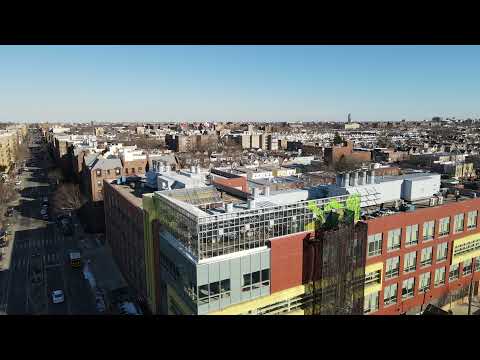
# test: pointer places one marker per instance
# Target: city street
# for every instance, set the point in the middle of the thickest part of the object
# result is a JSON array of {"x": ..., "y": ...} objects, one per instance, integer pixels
[{"x": 37, "y": 262}]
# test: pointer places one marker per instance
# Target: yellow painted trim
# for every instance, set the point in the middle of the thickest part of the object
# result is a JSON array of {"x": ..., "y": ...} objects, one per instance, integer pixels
[
  {"x": 467, "y": 256},
  {"x": 261, "y": 302},
  {"x": 371, "y": 288},
  {"x": 458, "y": 242},
  {"x": 374, "y": 267}
]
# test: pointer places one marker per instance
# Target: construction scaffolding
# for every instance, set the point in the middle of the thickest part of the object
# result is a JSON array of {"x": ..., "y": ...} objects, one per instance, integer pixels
[{"x": 334, "y": 268}]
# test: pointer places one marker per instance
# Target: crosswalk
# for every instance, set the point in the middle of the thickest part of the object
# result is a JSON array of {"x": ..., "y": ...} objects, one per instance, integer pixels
[
  {"x": 37, "y": 243},
  {"x": 47, "y": 259}
]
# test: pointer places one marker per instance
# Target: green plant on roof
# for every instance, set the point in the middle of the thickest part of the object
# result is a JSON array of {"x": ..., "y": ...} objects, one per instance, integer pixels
[{"x": 353, "y": 204}]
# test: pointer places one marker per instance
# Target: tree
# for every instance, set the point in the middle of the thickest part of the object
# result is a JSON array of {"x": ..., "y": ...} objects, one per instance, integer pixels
[
  {"x": 22, "y": 152},
  {"x": 68, "y": 196},
  {"x": 383, "y": 140},
  {"x": 337, "y": 140},
  {"x": 7, "y": 193}
]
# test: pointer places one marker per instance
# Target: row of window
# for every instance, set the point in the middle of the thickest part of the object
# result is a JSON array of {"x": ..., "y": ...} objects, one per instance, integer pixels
[
  {"x": 371, "y": 301},
  {"x": 392, "y": 265},
  {"x": 375, "y": 241},
  {"x": 118, "y": 171}
]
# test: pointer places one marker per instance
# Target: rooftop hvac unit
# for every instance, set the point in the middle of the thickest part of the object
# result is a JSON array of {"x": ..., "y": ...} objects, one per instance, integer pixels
[
  {"x": 440, "y": 199},
  {"x": 433, "y": 201}
]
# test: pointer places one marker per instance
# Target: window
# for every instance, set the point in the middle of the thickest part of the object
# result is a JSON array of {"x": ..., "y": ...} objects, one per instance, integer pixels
[
  {"x": 99, "y": 183},
  {"x": 375, "y": 245},
  {"x": 390, "y": 294},
  {"x": 126, "y": 170},
  {"x": 408, "y": 287},
  {"x": 467, "y": 267},
  {"x": 256, "y": 279},
  {"x": 442, "y": 251},
  {"x": 410, "y": 262},
  {"x": 440, "y": 276},
  {"x": 266, "y": 277},
  {"x": 133, "y": 170},
  {"x": 99, "y": 173},
  {"x": 444, "y": 226},
  {"x": 458, "y": 223},
  {"x": 393, "y": 242},
  {"x": 424, "y": 282},
  {"x": 203, "y": 294},
  {"x": 411, "y": 235},
  {"x": 476, "y": 264},
  {"x": 472, "y": 219},
  {"x": 426, "y": 257},
  {"x": 428, "y": 230},
  {"x": 453, "y": 274},
  {"x": 225, "y": 288},
  {"x": 247, "y": 282},
  {"x": 392, "y": 267},
  {"x": 140, "y": 169},
  {"x": 108, "y": 172},
  {"x": 371, "y": 303},
  {"x": 117, "y": 171},
  {"x": 214, "y": 290},
  {"x": 373, "y": 277}
]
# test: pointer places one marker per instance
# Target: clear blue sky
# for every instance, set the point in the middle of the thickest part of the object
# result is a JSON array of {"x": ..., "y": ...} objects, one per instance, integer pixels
[{"x": 238, "y": 83}]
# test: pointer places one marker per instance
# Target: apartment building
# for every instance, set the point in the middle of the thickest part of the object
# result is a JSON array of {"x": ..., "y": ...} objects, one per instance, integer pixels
[
  {"x": 124, "y": 231},
  {"x": 335, "y": 153},
  {"x": 211, "y": 253},
  {"x": 429, "y": 255},
  {"x": 99, "y": 170}
]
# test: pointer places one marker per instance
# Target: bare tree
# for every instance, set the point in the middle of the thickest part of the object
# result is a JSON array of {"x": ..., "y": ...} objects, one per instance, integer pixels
[
  {"x": 22, "y": 152},
  {"x": 7, "y": 193},
  {"x": 68, "y": 196}
]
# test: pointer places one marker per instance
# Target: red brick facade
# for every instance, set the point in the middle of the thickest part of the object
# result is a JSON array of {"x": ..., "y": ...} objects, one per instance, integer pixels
[
  {"x": 420, "y": 216},
  {"x": 335, "y": 153},
  {"x": 233, "y": 182},
  {"x": 286, "y": 261}
]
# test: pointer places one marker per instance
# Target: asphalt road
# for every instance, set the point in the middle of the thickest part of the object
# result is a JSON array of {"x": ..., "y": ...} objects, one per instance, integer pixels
[{"x": 39, "y": 261}]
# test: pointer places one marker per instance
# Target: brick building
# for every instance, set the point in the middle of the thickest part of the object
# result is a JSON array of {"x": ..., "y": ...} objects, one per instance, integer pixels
[
  {"x": 430, "y": 255},
  {"x": 124, "y": 232},
  {"x": 335, "y": 153}
]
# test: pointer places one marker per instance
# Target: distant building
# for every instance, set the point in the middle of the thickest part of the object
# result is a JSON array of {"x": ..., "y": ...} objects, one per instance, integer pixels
[{"x": 335, "y": 153}]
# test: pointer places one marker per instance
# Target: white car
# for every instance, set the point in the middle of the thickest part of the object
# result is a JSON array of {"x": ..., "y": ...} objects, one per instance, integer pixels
[
  {"x": 57, "y": 296},
  {"x": 18, "y": 183}
]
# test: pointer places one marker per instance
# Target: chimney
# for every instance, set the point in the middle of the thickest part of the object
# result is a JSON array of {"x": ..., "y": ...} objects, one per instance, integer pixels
[
  {"x": 256, "y": 193},
  {"x": 372, "y": 177},
  {"x": 251, "y": 203},
  {"x": 339, "y": 180},
  {"x": 192, "y": 169},
  {"x": 267, "y": 191},
  {"x": 228, "y": 207},
  {"x": 364, "y": 177},
  {"x": 346, "y": 180},
  {"x": 355, "y": 178},
  {"x": 197, "y": 169}
]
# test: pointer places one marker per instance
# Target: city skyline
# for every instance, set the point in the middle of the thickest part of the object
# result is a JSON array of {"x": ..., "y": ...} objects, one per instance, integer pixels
[{"x": 237, "y": 83}]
